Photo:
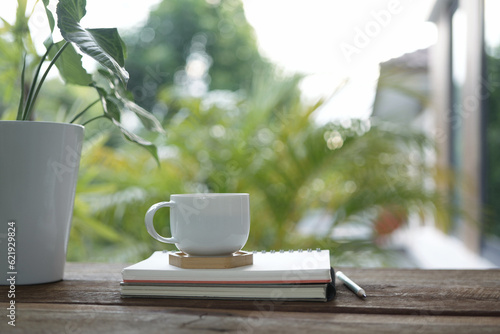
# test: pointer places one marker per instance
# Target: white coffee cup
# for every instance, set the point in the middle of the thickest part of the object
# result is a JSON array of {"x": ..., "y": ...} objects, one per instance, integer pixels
[{"x": 205, "y": 224}]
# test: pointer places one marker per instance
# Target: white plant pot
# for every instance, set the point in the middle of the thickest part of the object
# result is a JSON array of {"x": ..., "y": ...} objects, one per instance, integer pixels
[{"x": 39, "y": 164}]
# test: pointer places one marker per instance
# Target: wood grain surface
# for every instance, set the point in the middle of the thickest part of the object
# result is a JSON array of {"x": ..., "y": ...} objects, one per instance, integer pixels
[{"x": 399, "y": 301}]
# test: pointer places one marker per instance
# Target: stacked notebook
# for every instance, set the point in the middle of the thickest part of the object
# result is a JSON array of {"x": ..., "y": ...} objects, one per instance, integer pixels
[{"x": 284, "y": 275}]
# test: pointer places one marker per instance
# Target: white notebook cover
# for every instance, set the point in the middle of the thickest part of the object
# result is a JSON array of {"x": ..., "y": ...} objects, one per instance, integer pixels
[{"x": 268, "y": 268}]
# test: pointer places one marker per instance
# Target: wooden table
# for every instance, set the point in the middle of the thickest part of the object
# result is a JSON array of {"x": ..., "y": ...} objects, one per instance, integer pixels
[{"x": 399, "y": 301}]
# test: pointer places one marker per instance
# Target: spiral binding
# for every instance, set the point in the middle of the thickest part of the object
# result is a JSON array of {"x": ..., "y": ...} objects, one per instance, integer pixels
[{"x": 309, "y": 250}]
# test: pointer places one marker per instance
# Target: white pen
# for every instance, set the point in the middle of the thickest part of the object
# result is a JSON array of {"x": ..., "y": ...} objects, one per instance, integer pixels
[{"x": 350, "y": 284}]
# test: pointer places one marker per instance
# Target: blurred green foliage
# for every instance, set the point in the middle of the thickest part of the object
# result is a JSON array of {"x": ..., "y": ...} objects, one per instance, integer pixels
[
  {"x": 182, "y": 38},
  {"x": 14, "y": 39},
  {"x": 266, "y": 144},
  {"x": 248, "y": 132}
]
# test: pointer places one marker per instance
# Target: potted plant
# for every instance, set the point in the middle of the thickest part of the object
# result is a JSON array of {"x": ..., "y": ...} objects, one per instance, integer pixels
[{"x": 39, "y": 161}]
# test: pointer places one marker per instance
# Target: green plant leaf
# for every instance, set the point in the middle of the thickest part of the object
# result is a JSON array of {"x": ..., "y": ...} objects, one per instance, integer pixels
[
  {"x": 103, "y": 45},
  {"x": 21, "y": 11},
  {"x": 74, "y": 10},
  {"x": 150, "y": 147},
  {"x": 34, "y": 88},
  {"x": 6, "y": 26},
  {"x": 123, "y": 102},
  {"x": 21, "y": 98},
  {"x": 147, "y": 119},
  {"x": 50, "y": 16},
  {"x": 107, "y": 38},
  {"x": 69, "y": 64},
  {"x": 20, "y": 29},
  {"x": 111, "y": 106}
]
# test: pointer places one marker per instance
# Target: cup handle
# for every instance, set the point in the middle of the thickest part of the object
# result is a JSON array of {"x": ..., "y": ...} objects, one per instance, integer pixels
[{"x": 149, "y": 222}]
